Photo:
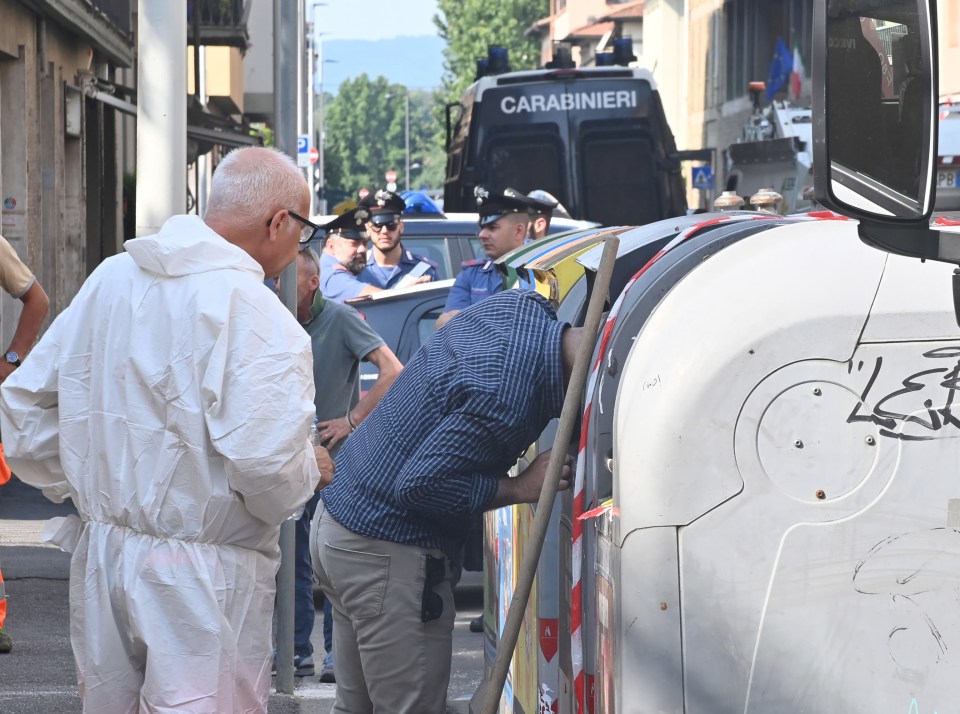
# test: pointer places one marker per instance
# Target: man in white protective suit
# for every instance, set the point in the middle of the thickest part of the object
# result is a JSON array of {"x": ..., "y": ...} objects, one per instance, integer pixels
[{"x": 172, "y": 402}]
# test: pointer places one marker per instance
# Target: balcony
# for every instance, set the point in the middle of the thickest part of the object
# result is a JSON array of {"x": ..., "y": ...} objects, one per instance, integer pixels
[
  {"x": 105, "y": 24},
  {"x": 220, "y": 23}
]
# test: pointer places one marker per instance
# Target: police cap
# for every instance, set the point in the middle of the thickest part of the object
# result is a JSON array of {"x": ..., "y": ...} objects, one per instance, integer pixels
[
  {"x": 348, "y": 225},
  {"x": 542, "y": 203},
  {"x": 384, "y": 206},
  {"x": 493, "y": 205}
]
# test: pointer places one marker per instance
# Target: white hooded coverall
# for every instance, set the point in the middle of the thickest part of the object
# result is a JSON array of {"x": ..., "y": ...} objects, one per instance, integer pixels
[{"x": 171, "y": 401}]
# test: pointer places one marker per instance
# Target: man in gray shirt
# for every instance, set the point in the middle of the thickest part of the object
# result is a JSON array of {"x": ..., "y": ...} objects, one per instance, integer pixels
[{"x": 340, "y": 338}]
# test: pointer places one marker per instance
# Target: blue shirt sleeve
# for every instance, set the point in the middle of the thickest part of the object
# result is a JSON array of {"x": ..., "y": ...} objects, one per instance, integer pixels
[
  {"x": 459, "y": 296},
  {"x": 341, "y": 285}
]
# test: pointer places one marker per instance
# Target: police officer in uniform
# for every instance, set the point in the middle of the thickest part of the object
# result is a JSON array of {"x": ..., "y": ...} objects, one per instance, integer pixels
[
  {"x": 344, "y": 257},
  {"x": 542, "y": 207},
  {"x": 389, "y": 262},
  {"x": 504, "y": 220}
]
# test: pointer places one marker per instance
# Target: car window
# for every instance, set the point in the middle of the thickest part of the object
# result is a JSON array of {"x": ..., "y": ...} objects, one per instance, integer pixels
[
  {"x": 948, "y": 141},
  {"x": 477, "y": 248},
  {"x": 434, "y": 248},
  {"x": 427, "y": 325}
]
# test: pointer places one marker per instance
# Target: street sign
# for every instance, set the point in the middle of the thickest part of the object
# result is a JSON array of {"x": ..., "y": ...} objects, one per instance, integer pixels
[
  {"x": 391, "y": 176},
  {"x": 303, "y": 150},
  {"x": 314, "y": 155},
  {"x": 702, "y": 178}
]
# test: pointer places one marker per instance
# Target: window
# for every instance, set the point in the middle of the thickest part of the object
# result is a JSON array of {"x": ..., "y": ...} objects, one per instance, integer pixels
[
  {"x": 525, "y": 162},
  {"x": 618, "y": 168},
  {"x": 433, "y": 248},
  {"x": 752, "y": 28}
]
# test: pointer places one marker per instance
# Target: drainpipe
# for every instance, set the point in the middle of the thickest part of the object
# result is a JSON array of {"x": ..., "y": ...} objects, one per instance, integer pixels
[{"x": 161, "y": 113}]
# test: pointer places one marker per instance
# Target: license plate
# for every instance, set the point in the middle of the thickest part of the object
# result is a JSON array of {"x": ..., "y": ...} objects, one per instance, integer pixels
[{"x": 946, "y": 178}]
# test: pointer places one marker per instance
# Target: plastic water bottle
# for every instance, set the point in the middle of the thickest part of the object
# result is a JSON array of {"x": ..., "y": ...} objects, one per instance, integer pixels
[{"x": 314, "y": 436}]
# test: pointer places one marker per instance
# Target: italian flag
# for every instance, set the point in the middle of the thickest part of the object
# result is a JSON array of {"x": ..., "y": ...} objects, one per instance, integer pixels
[{"x": 797, "y": 76}]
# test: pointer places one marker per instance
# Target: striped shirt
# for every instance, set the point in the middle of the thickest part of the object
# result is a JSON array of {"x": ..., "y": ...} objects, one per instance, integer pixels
[{"x": 424, "y": 465}]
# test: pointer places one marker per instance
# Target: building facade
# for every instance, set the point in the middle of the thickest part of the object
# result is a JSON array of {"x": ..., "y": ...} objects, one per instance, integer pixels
[
  {"x": 60, "y": 177},
  {"x": 68, "y": 75},
  {"x": 703, "y": 54}
]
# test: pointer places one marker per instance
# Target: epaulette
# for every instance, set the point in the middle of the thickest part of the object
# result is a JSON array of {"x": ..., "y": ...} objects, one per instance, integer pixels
[
  {"x": 422, "y": 259},
  {"x": 471, "y": 263}
]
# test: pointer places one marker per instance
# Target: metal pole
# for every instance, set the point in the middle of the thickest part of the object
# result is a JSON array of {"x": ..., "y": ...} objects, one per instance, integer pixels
[
  {"x": 406, "y": 134},
  {"x": 161, "y": 113},
  {"x": 287, "y": 32},
  {"x": 568, "y": 419},
  {"x": 322, "y": 133},
  {"x": 311, "y": 129}
]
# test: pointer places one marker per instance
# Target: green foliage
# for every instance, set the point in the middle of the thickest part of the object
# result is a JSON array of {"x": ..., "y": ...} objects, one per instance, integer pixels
[
  {"x": 365, "y": 137},
  {"x": 471, "y": 26}
]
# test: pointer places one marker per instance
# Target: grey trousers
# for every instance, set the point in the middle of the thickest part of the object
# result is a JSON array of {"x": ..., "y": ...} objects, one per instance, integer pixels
[{"x": 388, "y": 661}]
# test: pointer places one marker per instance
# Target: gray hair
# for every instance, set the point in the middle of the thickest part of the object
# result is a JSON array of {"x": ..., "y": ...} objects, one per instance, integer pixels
[
  {"x": 246, "y": 187},
  {"x": 311, "y": 257}
]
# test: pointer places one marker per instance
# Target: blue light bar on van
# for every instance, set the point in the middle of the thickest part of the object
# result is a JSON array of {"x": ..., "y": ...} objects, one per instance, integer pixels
[
  {"x": 498, "y": 60},
  {"x": 604, "y": 59},
  {"x": 623, "y": 51}
]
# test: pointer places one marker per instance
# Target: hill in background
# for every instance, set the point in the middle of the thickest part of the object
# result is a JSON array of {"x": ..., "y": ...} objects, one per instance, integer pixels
[{"x": 415, "y": 62}]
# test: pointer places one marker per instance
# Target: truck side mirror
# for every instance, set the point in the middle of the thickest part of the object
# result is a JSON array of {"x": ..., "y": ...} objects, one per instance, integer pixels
[{"x": 875, "y": 112}]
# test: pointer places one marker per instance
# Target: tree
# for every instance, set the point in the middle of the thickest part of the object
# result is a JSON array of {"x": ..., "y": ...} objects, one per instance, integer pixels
[
  {"x": 471, "y": 26},
  {"x": 365, "y": 136},
  {"x": 361, "y": 130}
]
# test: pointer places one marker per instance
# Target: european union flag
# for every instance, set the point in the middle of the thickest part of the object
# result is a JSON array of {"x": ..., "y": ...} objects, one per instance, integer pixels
[{"x": 780, "y": 69}]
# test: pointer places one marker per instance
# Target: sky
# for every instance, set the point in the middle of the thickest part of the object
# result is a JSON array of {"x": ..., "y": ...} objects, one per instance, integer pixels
[
  {"x": 374, "y": 19},
  {"x": 367, "y": 42}
]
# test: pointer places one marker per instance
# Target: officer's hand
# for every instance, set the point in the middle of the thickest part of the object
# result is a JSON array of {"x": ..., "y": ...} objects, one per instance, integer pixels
[
  {"x": 422, "y": 279},
  {"x": 6, "y": 369},
  {"x": 325, "y": 465}
]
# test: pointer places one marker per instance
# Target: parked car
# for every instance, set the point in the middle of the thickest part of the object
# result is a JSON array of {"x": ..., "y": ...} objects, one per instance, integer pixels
[
  {"x": 948, "y": 159},
  {"x": 404, "y": 318}
]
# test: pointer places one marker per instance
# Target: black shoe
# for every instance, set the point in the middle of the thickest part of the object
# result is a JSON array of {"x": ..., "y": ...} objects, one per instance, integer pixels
[{"x": 476, "y": 624}]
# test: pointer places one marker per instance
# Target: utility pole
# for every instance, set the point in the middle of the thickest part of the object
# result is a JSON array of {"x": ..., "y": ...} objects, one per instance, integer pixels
[
  {"x": 311, "y": 100},
  {"x": 406, "y": 136}
]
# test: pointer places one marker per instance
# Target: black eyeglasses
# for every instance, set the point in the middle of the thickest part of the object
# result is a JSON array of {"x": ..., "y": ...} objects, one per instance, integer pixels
[
  {"x": 309, "y": 229},
  {"x": 391, "y": 226}
]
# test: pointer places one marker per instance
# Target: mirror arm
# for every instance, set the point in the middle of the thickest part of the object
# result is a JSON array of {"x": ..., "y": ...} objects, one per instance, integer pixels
[
  {"x": 918, "y": 240},
  {"x": 914, "y": 240}
]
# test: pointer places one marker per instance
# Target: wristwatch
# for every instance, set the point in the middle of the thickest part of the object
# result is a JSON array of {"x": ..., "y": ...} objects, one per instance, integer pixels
[{"x": 12, "y": 358}]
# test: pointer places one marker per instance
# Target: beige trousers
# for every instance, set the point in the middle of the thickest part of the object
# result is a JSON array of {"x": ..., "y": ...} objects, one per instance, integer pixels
[{"x": 388, "y": 661}]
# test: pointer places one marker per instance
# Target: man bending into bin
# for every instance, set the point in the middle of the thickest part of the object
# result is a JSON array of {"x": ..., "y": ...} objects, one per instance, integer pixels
[{"x": 389, "y": 530}]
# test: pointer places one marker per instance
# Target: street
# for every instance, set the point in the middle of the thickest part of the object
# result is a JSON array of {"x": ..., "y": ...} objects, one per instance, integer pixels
[{"x": 38, "y": 677}]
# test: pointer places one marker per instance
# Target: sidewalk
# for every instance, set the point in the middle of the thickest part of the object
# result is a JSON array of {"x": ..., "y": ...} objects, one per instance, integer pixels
[{"x": 38, "y": 677}]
